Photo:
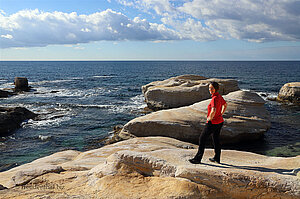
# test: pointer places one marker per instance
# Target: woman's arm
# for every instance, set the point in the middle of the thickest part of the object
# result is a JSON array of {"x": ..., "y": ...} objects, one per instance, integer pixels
[
  {"x": 224, "y": 108},
  {"x": 212, "y": 114}
]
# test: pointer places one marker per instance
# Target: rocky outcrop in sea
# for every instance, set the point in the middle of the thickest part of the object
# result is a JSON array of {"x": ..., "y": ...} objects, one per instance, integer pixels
[
  {"x": 183, "y": 90},
  {"x": 11, "y": 118},
  {"x": 290, "y": 92},
  {"x": 158, "y": 167},
  {"x": 246, "y": 119}
]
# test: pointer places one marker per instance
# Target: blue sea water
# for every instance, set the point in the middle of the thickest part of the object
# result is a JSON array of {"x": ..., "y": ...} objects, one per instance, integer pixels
[{"x": 83, "y": 101}]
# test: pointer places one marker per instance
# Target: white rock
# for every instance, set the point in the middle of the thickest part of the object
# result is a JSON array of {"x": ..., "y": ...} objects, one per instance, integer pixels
[
  {"x": 245, "y": 119},
  {"x": 183, "y": 91}
]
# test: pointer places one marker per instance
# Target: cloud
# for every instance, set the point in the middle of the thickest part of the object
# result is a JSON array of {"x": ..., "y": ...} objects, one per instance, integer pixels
[
  {"x": 7, "y": 36},
  {"x": 30, "y": 28},
  {"x": 200, "y": 20},
  {"x": 255, "y": 21}
]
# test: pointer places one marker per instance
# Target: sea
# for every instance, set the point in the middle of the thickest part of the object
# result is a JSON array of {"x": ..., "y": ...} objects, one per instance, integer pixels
[{"x": 81, "y": 101}]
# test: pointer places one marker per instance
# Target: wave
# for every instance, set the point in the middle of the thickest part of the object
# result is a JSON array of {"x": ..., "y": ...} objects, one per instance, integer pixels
[
  {"x": 103, "y": 76},
  {"x": 50, "y": 81},
  {"x": 7, "y": 85},
  {"x": 45, "y": 137},
  {"x": 43, "y": 124},
  {"x": 101, "y": 106},
  {"x": 134, "y": 104},
  {"x": 267, "y": 96}
]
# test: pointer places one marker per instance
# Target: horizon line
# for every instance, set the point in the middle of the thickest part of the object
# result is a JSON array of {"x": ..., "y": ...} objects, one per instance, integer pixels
[{"x": 150, "y": 60}]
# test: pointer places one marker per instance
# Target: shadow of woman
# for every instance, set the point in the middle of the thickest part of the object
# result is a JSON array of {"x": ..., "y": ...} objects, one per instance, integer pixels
[{"x": 260, "y": 169}]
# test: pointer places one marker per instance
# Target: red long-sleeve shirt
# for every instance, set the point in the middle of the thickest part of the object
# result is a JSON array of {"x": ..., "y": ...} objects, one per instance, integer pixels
[{"x": 216, "y": 102}]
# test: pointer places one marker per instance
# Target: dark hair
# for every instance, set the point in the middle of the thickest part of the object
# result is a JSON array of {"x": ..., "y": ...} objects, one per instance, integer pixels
[{"x": 215, "y": 85}]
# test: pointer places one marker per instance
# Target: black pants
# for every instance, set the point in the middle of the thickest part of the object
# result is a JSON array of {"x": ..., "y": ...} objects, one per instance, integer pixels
[{"x": 209, "y": 129}]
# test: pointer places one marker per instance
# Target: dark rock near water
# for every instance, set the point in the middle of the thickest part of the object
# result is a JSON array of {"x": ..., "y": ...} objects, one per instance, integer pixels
[
  {"x": 4, "y": 94},
  {"x": 11, "y": 118},
  {"x": 21, "y": 84}
]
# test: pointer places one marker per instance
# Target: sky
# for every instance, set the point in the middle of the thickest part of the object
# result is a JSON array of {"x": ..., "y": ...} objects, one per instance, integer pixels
[{"x": 149, "y": 30}]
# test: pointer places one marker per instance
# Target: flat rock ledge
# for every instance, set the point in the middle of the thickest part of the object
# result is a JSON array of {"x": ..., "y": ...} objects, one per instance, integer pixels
[
  {"x": 246, "y": 119},
  {"x": 290, "y": 92},
  {"x": 153, "y": 167},
  {"x": 183, "y": 91}
]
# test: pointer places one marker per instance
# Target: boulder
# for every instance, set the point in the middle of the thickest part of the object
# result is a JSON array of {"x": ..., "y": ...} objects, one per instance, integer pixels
[
  {"x": 290, "y": 92},
  {"x": 155, "y": 167},
  {"x": 11, "y": 118},
  {"x": 4, "y": 94},
  {"x": 183, "y": 91},
  {"x": 21, "y": 84},
  {"x": 246, "y": 119}
]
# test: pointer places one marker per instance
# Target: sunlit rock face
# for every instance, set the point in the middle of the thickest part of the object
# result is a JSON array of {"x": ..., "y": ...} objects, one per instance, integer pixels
[
  {"x": 290, "y": 92},
  {"x": 183, "y": 91},
  {"x": 246, "y": 119},
  {"x": 152, "y": 167}
]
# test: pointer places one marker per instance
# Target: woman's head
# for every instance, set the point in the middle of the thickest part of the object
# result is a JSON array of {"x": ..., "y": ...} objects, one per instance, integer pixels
[{"x": 213, "y": 87}]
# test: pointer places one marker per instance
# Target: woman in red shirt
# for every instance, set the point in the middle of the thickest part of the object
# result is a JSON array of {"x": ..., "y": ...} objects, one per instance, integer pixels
[{"x": 214, "y": 123}]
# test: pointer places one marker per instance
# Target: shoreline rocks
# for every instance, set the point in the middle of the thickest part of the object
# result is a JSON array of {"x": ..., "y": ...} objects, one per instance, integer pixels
[
  {"x": 246, "y": 119},
  {"x": 183, "y": 90},
  {"x": 290, "y": 92},
  {"x": 11, "y": 118},
  {"x": 153, "y": 167},
  {"x": 4, "y": 94}
]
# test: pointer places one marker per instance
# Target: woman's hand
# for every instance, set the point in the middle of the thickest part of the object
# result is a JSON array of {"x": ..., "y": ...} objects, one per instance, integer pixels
[
  {"x": 212, "y": 114},
  {"x": 224, "y": 108}
]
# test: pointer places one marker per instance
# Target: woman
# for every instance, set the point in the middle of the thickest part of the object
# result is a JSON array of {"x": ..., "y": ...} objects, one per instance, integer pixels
[{"x": 214, "y": 123}]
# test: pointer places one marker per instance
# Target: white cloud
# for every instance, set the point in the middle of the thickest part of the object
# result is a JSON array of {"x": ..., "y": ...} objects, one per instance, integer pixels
[
  {"x": 28, "y": 28},
  {"x": 201, "y": 20},
  {"x": 7, "y": 36},
  {"x": 258, "y": 21}
]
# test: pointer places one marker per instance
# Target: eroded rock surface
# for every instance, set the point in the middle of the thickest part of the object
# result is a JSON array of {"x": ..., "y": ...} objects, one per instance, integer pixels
[
  {"x": 156, "y": 167},
  {"x": 245, "y": 119},
  {"x": 183, "y": 91},
  {"x": 290, "y": 92}
]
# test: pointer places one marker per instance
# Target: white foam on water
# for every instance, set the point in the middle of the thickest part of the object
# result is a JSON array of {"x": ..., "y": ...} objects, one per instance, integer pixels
[
  {"x": 50, "y": 81},
  {"x": 42, "y": 124},
  {"x": 103, "y": 76},
  {"x": 76, "y": 78},
  {"x": 139, "y": 101},
  {"x": 7, "y": 85},
  {"x": 135, "y": 103},
  {"x": 94, "y": 105},
  {"x": 46, "y": 92},
  {"x": 94, "y": 92},
  {"x": 45, "y": 137},
  {"x": 265, "y": 95}
]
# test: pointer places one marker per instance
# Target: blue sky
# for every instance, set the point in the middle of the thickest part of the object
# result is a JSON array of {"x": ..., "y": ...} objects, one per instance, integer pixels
[{"x": 149, "y": 30}]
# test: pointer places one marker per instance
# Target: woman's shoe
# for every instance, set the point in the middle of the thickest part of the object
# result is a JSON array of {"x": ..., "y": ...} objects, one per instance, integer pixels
[
  {"x": 195, "y": 161},
  {"x": 214, "y": 160}
]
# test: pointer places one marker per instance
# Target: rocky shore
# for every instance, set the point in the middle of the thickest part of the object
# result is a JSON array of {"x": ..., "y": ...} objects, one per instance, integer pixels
[
  {"x": 153, "y": 167},
  {"x": 153, "y": 161}
]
